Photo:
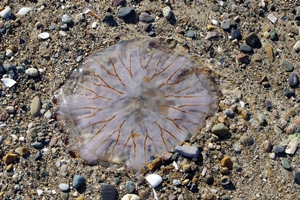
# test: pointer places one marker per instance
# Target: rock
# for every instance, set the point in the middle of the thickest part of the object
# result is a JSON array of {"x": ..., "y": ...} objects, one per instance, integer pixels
[
  {"x": 66, "y": 19},
  {"x": 277, "y": 149},
  {"x": 22, "y": 151},
  {"x": 269, "y": 51},
  {"x": 188, "y": 151},
  {"x": 225, "y": 24},
  {"x": 145, "y": 17},
  {"x": 287, "y": 66},
  {"x": 224, "y": 171},
  {"x": 242, "y": 58},
  {"x": 245, "y": 48},
  {"x": 130, "y": 197},
  {"x": 246, "y": 140},
  {"x": 109, "y": 20},
  {"x": 118, "y": 3},
  {"x": 10, "y": 158},
  {"x": 292, "y": 146},
  {"x": 154, "y": 180},
  {"x": 297, "y": 46},
  {"x": 225, "y": 180},
  {"x": 176, "y": 182},
  {"x": 226, "y": 162},
  {"x": 44, "y": 36},
  {"x": 35, "y": 106},
  {"x": 154, "y": 164},
  {"x": 78, "y": 181},
  {"x": 186, "y": 168},
  {"x": 266, "y": 146},
  {"x": 220, "y": 130},
  {"x": 297, "y": 178},
  {"x": 209, "y": 179},
  {"x": 235, "y": 34},
  {"x": 33, "y": 72},
  {"x": 24, "y": 11},
  {"x": 109, "y": 192},
  {"x": 10, "y": 109},
  {"x": 8, "y": 82},
  {"x": 166, "y": 156},
  {"x": 64, "y": 187},
  {"x": 285, "y": 164},
  {"x": 37, "y": 145},
  {"x": 127, "y": 14},
  {"x": 167, "y": 12},
  {"x": 130, "y": 186},
  {"x": 253, "y": 40},
  {"x": 289, "y": 93},
  {"x": 293, "y": 80},
  {"x": 256, "y": 58},
  {"x": 273, "y": 35},
  {"x": 209, "y": 197},
  {"x": 191, "y": 34},
  {"x": 6, "y": 13},
  {"x": 272, "y": 18},
  {"x": 211, "y": 35}
]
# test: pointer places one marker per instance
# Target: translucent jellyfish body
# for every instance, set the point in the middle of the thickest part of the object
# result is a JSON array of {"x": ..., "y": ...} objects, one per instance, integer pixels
[{"x": 135, "y": 100}]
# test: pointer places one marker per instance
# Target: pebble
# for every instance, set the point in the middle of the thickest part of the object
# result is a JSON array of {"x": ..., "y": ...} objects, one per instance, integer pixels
[
  {"x": 6, "y": 12},
  {"x": 167, "y": 12},
  {"x": 35, "y": 106},
  {"x": 118, "y": 3},
  {"x": 10, "y": 109},
  {"x": 22, "y": 151},
  {"x": 289, "y": 93},
  {"x": 145, "y": 17},
  {"x": 253, "y": 40},
  {"x": 166, "y": 156},
  {"x": 130, "y": 197},
  {"x": 109, "y": 192},
  {"x": 38, "y": 156},
  {"x": 78, "y": 181},
  {"x": 287, "y": 66},
  {"x": 9, "y": 53},
  {"x": 64, "y": 187},
  {"x": 235, "y": 34},
  {"x": 191, "y": 34},
  {"x": 130, "y": 186},
  {"x": 220, "y": 130},
  {"x": 8, "y": 82},
  {"x": 226, "y": 162},
  {"x": 246, "y": 48},
  {"x": 272, "y": 18},
  {"x": 127, "y": 14},
  {"x": 154, "y": 180},
  {"x": 24, "y": 11},
  {"x": 66, "y": 19},
  {"x": 33, "y": 72},
  {"x": 277, "y": 149},
  {"x": 269, "y": 51},
  {"x": 44, "y": 36},
  {"x": 297, "y": 46},
  {"x": 285, "y": 164},
  {"x": 242, "y": 58},
  {"x": 10, "y": 158},
  {"x": 225, "y": 180},
  {"x": 211, "y": 35},
  {"x": 176, "y": 182},
  {"x": 293, "y": 80},
  {"x": 154, "y": 164},
  {"x": 63, "y": 33},
  {"x": 297, "y": 178},
  {"x": 266, "y": 146},
  {"x": 188, "y": 151},
  {"x": 273, "y": 35},
  {"x": 225, "y": 24},
  {"x": 246, "y": 140},
  {"x": 37, "y": 145},
  {"x": 109, "y": 20},
  {"x": 292, "y": 146},
  {"x": 209, "y": 179}
]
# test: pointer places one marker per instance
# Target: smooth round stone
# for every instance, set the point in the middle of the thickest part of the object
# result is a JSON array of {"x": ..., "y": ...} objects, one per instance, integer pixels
[
  {"x": 293, "y": 80},
  {"x": 246, "y": 140},
  {"x": 246, "y": 48},
  {"x": 297, "y": 177},
  {"x": 154, "y": 180},
  {"x": 188, "y": 151},
  {"x": 225, "y": 24},
  {"x": 109, "y": 192},
  {"x": 277, "y": 149},
  {"x": 273, "y": 35},
  {"x": 145, "y": 17},
  {"x": 289, "y": 93},
  {"x": 191, "y": 34},
  {"x": 24, "y": 11},
  {"x": 78, "y": 181},
  {"x": 219, "y": 129},
  {"x": 176, "y": 182},
  {"x": 6, "y": 13},
  {"x": 66, "y": 19},
  {"x": 44, "y": 36},
  {"x": 285, "y": 164},
  {"x": 253, "y": 41},
  {"x": 287, "y": 66},
  {"x": 126, "y": 13},
  {"x": 235, "y": 34},
  {"x": 64, "y": 187},
  {"x": 37, "y": 145},
  {"x": 130, "y": 186},
  {"x": 33, "y": 72},
  {"x": 130, "y": 197},
  {"x": 297, "y": 46},
  {"x": 35, "y": 106},
  {"x": 167, "y": 12}
]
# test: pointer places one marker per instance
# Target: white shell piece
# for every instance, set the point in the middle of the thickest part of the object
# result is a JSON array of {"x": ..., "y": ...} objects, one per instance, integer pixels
[
  {"x": 154, "y": 179},
  {"x": 44, "y": 35},
  {"x": 8, "y": 82},
  {"x": 24, "y": 11},
  {"x": 292, "y": 146}
]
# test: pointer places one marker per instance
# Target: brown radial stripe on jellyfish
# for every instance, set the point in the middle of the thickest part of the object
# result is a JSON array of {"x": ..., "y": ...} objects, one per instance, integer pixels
[{"x": 135, "y": 100}]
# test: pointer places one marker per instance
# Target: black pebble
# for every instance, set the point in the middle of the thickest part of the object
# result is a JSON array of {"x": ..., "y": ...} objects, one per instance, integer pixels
[
  {"x": 293, "y": 80},
  {"x": 297, "y": 177},
  {"x": 235, "y": 34},
  {"x": 289, "y": 93},
  {"x": 109, "y": 192},
  {"x": 253, "y": 41}
]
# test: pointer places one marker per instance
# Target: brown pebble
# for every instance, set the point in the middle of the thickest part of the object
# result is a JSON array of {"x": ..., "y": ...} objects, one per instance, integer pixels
[
  {"x": 269, "y": 51},
  {"x": 242, "y": 58},
  {"x": 156, "y": 163},
  {"x": 53, "y": 141},
  {"x": 257, "y": 58},
  {"x": 266, "y": 146},
  {"x": 9, "y": 167},
  {"x": 144, "y": 194},
  {"x": 166, "y": 156},
  {"x": 14, "y": 48},
  {"x": 226, "y": 162},
  {"x": 224, "y": 171},
  {"x": 21, "y": 151},
  {"x": 209, "y": 197},
  {"x": 186, "y": 168},
  {"x": 10, "y": 158}
]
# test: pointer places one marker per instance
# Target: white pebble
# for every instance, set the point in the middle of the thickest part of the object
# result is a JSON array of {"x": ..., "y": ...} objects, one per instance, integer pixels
[
  {"x": 272, "y": 18},
  {"x": 24, "y": 11},
  {"x": 8, "y": 82},
  {"x": 44, "y": 36},
  {"x": 154, "y": 179},
  {"x": 167, "y": 12},
  {"x": 9, "y": 53},
  {"x": 6, "y": 12},
  {"x": 39, "y": 192},
  {"x": 1, "y": 138},
  {"x": 214, "y": 22},
  {"x": 45, "y": 151},
  {"x": 62, "y": 33},
  {"x": 292, "y": 146},
  {"x": 130, "y": 197},
  {"x": 21, "y": 139},
  {"x": 94, "y": 25},
  {"x": 33, "y": 72},
  {"x": 272, "y": 155},
  {"x": 297, "y": 46}
]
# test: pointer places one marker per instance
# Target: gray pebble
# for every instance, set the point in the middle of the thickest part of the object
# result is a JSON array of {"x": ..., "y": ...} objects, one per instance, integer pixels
[
  {"x": 297, "y": 177},
  {"x": 289, "y": 93},
  {"x": 78, "y": 181},
  {"x": 293, "y": 80},
  {"x": 277, "y": 149},
  {"x": 273, "y": 35},
  {"x": 109, "y": 20},
  {"x": 64, "y": 187},
  {"x": 246, "y": 140},
  {"x": 176, "y": 182},
  {"x": 188, "y": 151},
  {"x": 35, "y": 106},
  {"x": 109, "y": 192},
  {"x": 130, "y": 186},
  {"x": 261, "y": 119},
  {"x": 235, "y": 34},
  {"x": 33, "y": 72},
  {"x": 287, "y": 66},
  {"x": 66, "y": 19},
  {"x": 209, "y": 179},
  {"x": 79, "y": 59},
  {"x": 285, "y": 164},
  {"x": 127, "y": 14},
  {"x": 246, "y": 48},
  {"x": 37, "y": 145},
  {"x": 225, "y": 24},
  {"x": 52, "y": 27},
  {"x": 167, "y": 12},
  {"x": 191, "y": 34},
  {"x": 220, "y": 129},
  {"x": 20, "y": 70},
  {"x": 145, "y": 17}
]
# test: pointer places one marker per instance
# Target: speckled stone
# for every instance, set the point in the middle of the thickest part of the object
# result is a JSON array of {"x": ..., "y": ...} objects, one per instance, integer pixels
[
  {"x": 35, "y": 106},
  {"x": 220, "y": 129}
]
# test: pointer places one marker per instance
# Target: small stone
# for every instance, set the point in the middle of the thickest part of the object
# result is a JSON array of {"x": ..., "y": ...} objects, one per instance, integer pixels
[
  {"x": 24, "y": 11},
  {"x": 220, "y": 130},
  {"x": 191, "y": 34},
  {"x": 35, "y": 106},
  {"x": 209, "y": 179},
  {"x": 44, "y": 36},
  {"x": 6, "y": 13},
  {"x": 62, "y": 33},
  {"x": 225, "y": 24},
  {"x": 292, "y": 146},
  {"x": 224, "y": 171},
  {"x": 285, "y": 164},
  {"x": 144, "y": 194},
  {"x": 66, "y": 19},
  {"x": 293, "y": 80},
  {"x": 277, "y": 149},
  {"x": 166, "y": 156},
  {"x": 118, "y": 3},
  {"x": 176, "y": 182},
  {"x": 9, "y": 53},
  {"x": 235, "y": 34},
  {"x": 226, "y": 162},
  {"x": 269, "y": 51},
  {"x": 289, "y": 93},
  {"x": 225, "y": 180},
  {"x": 256, "y": 58},
  {"x": 167, "y": 12},
  {"x": 188, "y": 151},
  {"x": 127, "y": 14},
  {"x": 109, "y": 20},
  {"x": 53, "y": 141},
  {"x": 22, "y": 151},
  {"x": 78, "y": 181},
  {"x": 272, "y": 155},
  {"x": 297, "y": 178},
  {"x": 130, "y": 197},
  {"x": 145, "y": 17},
  {"x": 211, "y": 35},
  {"x": 246, "y": 48},
  {"x": 10, "y": 158},
  {"x": 130, "y": 186},
  {"x": 33, "y": 72},
  {"x": 287, "y": 66},
  {"x": 272, "y": 18},
  {"x": 38, "y": 156},
  {"x": 10, "y": 109},
  {"x": 154, "y": 164},
  {"x": 242, "y": 58},
  {"x": 246, "y": 140},
  {"x": 64, "y": 187},
  {"x": 37, "y": 145},
  {"x": 297, "y": 46},
  {"x": 186, "y": 168},
  {"x": 266, "y": 146},
  {"x": 154, "y": 180},
  {"x": 209, "y": 197},
  {"x": 273, "y": 35},
  {"x": 109, "y": 192},
  {"x": 253, "y": 40}
]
